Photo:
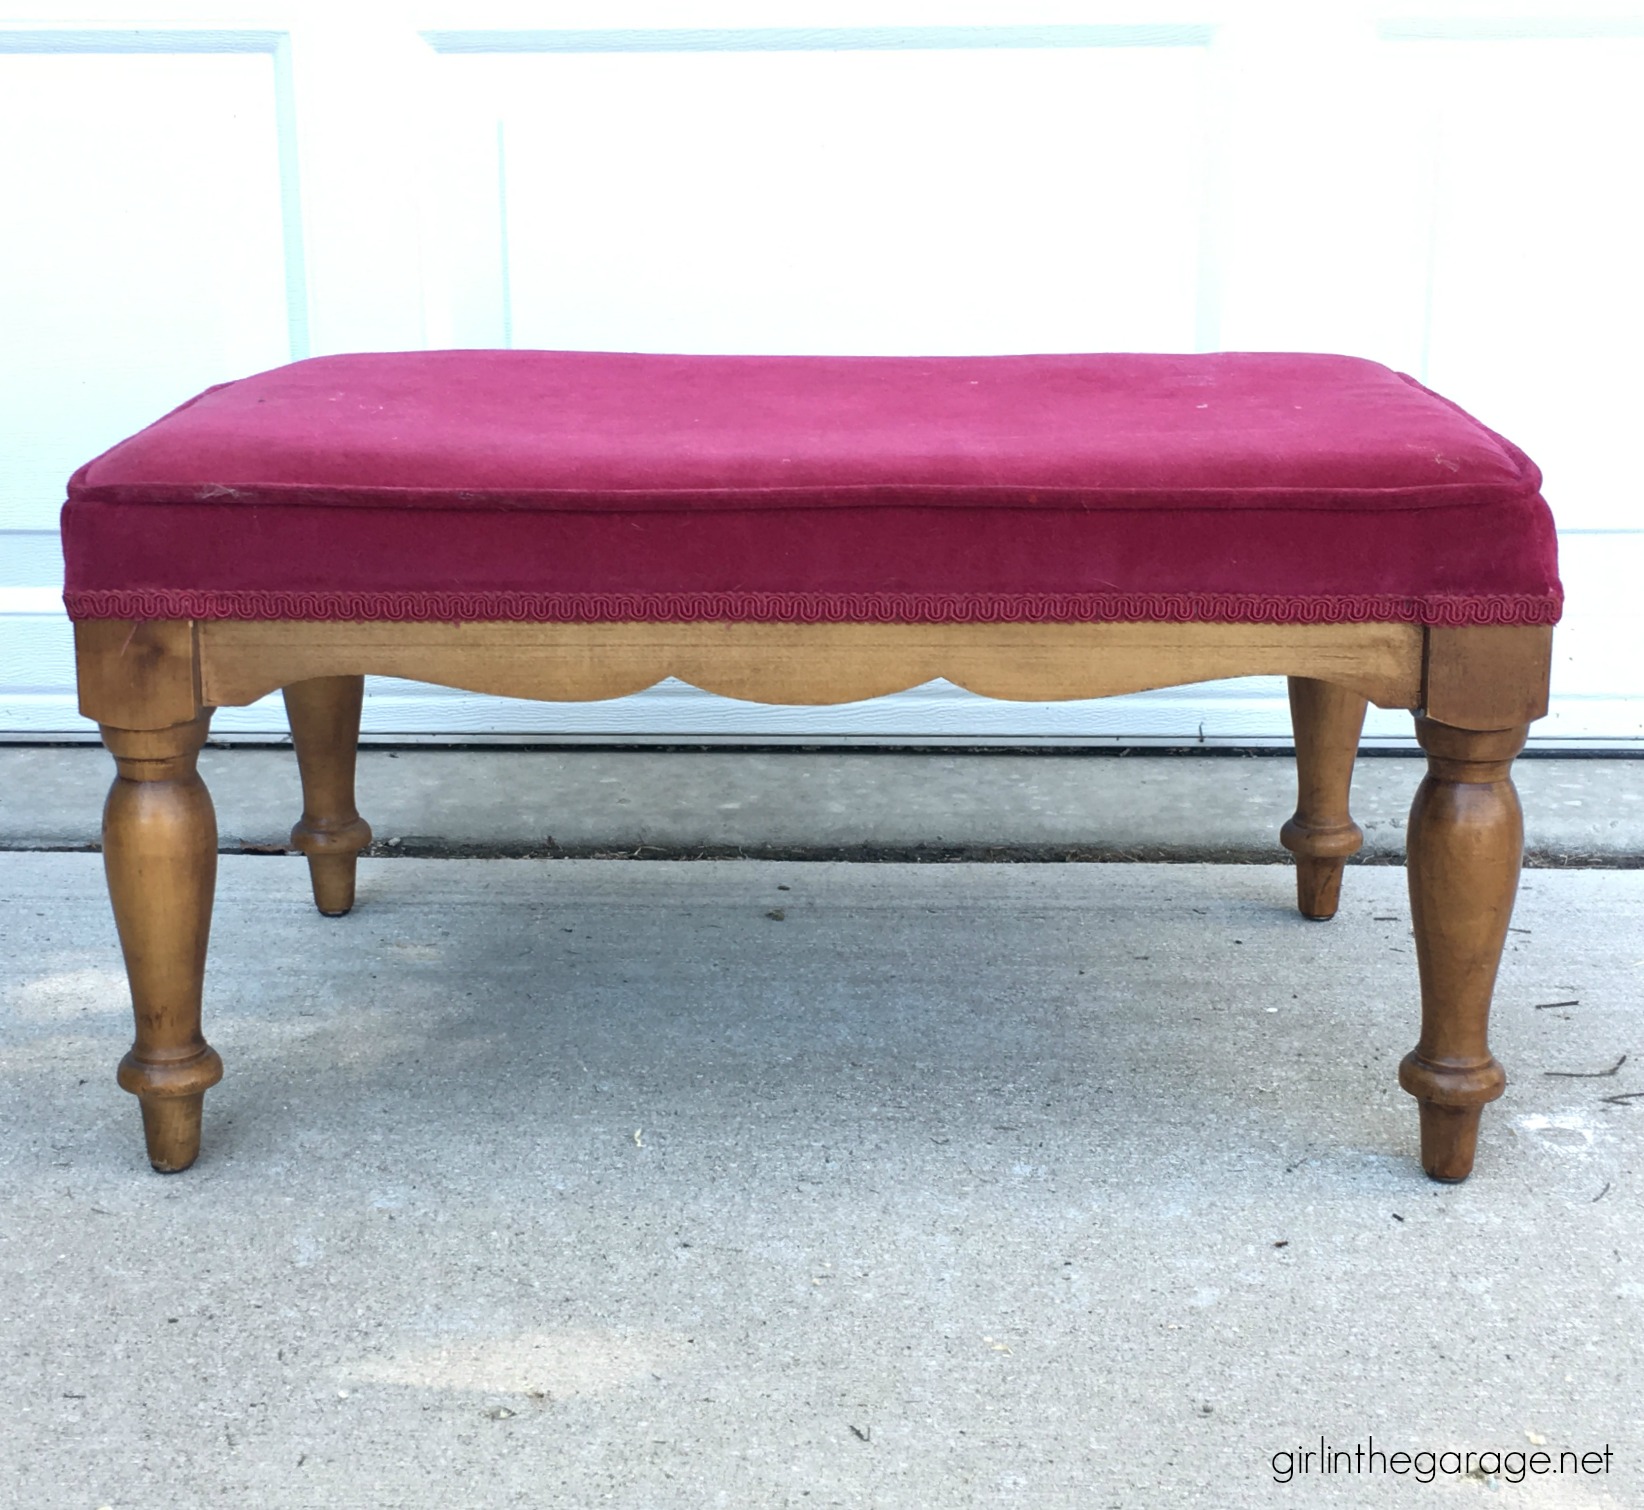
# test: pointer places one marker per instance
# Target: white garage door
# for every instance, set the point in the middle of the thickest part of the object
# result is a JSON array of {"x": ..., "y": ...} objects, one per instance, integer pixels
[{"x": 1454, "y": 196}]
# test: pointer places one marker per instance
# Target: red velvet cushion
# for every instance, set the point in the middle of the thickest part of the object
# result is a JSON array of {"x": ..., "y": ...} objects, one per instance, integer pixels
[{"x": 587, "y": 485}]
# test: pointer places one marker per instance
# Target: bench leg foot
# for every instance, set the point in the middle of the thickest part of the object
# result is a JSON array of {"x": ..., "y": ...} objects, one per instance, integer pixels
[
  {"x": 1466, "y": 843},
  {"x": 1321, "y": 835},
  {"x": 1449, "y": 1140},
  {"x": 160, "y": 856},
  {"x": 325, "y": 728},
  {"x": 171, "y": 1129}
]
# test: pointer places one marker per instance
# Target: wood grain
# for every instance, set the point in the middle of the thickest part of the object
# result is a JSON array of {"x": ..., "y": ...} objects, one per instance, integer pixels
[
  {"x": 808, "y": 663},
  {"x": 1327, "y": 721},
  {"x": 137, "y": 675},
  {"x": 325, "y": 728},
  {"x": 1466, "y": 844},
  {"x": 160, "y": 856},
  {"x": 1486, "y": 676}
]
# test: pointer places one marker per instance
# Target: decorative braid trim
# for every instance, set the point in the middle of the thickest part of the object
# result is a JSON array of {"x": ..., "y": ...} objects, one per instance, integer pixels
[{"x": 812, "y": 608}]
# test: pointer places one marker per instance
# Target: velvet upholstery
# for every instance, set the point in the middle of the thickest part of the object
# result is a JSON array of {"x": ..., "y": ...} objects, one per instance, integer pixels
[{"x": 585, "y": 485}]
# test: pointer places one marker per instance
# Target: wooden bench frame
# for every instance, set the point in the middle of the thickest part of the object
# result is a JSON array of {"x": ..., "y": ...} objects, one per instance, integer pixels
[{"x": 1474, "y": 690}]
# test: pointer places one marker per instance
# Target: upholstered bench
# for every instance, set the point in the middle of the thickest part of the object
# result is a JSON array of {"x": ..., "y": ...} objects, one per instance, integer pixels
[{"x": 811, "y": 530}]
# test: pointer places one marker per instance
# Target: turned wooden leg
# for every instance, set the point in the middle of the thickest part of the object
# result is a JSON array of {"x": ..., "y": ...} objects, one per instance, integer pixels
[
  {"x": 160, "y": 855},
  {"x": 325, "y": 728},
  {"x": 1327, "y": 721},
  {"x": 1466, "y": 843}
]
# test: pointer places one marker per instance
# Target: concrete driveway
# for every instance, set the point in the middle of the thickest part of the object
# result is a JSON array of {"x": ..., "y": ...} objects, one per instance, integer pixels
[{"x": 577, "y": 1182}]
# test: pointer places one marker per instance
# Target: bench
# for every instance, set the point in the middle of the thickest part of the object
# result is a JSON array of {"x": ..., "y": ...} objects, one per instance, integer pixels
[{"x": 579, "y": 525}]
